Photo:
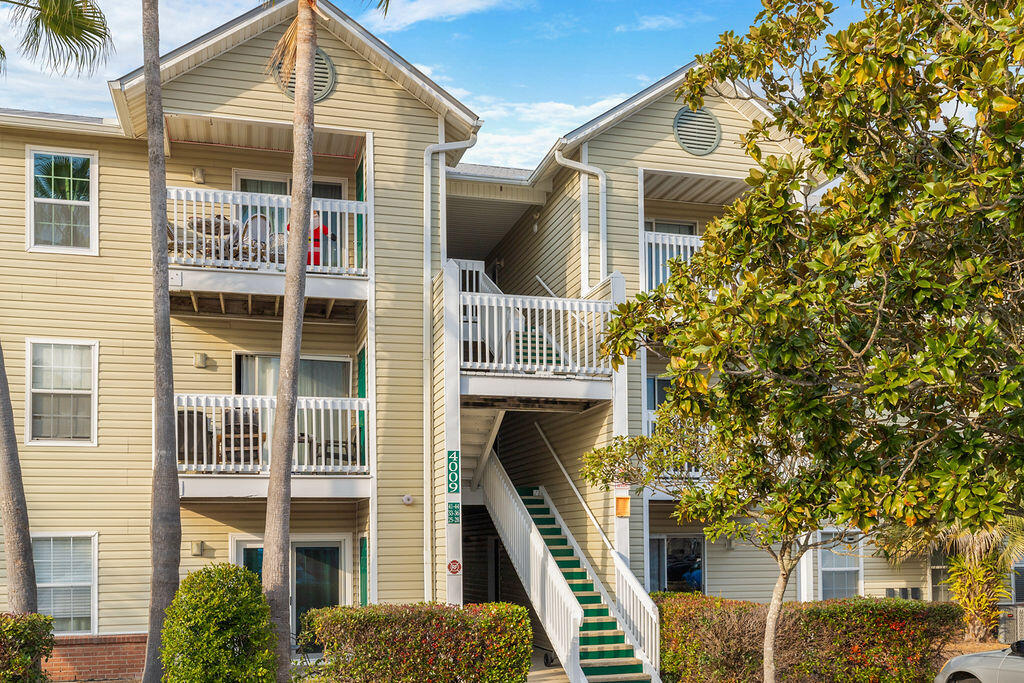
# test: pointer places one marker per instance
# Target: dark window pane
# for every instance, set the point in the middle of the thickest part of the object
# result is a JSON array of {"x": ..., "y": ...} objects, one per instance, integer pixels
[
  {"x": 684, "y": 566},
  {"x": 252, "y": 559},
  {"x": 316, "y": 579}
]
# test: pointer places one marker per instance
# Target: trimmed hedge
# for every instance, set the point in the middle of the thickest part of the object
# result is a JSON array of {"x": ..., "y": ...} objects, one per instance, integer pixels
[
  {"x": 861, "y": 639},
  {"x": 489, "y": 643},
  {"x": 218, "y": 629},
  {"x": 25, "y": 641}
]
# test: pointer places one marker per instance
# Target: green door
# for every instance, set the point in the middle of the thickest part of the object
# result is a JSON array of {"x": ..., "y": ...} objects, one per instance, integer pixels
[{"x": 364, "y": 568}]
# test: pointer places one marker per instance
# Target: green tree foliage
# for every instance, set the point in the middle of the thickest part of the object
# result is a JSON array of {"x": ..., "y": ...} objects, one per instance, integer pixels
[
  {"x": 218, "y": 629},
  {"x": 64, "y": 35},
  {"x": 857, "y": 359}
]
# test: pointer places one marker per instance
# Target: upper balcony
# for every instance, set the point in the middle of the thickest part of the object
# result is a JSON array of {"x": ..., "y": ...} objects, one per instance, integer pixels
[
  {"x": 229, "y": 242},
  {"x": 514, "y": 347},
  {"x": 660, "y": 248}
]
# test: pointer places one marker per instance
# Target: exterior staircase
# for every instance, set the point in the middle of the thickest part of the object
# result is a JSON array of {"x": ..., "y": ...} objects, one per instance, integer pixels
[{"x": 604, "y": 654}]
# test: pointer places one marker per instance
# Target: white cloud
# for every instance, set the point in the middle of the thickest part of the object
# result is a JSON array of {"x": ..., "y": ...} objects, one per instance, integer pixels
[
  {"x": 404, "y": 13},
  {"x": 663, "y": 22},
  {"x": 519, "y": 133}
]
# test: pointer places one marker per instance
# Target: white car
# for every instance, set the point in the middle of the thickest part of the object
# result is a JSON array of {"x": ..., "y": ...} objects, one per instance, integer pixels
[{"x": 997, "y": 666}]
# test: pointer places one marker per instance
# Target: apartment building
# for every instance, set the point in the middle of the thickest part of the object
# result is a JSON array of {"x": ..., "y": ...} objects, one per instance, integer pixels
[{"x": 451, "y": 378}]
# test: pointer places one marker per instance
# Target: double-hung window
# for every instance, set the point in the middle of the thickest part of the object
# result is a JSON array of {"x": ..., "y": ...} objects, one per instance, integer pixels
[
  {"x": 62, "y": 391},
  {"x": 62, "y": 201},
  {"x": 839, "y": 566},
  {"x": 66, "y": 580}
]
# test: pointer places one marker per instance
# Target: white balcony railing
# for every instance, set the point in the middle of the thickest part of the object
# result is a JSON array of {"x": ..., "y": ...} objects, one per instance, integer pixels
[
  {"x": 660, "y": 247},
  {"x": 232, "y": 434},
  {"x": 249, "y": 231},
  {"x": 517, "y": 335}
]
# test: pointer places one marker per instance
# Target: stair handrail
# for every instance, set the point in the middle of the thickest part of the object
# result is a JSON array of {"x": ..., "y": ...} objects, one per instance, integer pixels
[
  {"x": 637, "y": 613},
  {"x": 556, "y": 605}
]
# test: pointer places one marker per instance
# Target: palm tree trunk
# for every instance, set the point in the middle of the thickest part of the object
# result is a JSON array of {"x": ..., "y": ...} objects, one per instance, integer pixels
[
  {"x": 21, "y": 571},
  {"x": 165, "y": 513},
  {"x": 277, "y": 550}
]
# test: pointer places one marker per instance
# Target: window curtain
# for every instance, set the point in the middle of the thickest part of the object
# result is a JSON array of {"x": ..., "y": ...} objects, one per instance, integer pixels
[{"x": 317, "y": 378}]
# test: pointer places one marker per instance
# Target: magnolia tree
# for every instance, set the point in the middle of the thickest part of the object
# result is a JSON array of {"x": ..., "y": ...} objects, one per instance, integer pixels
[{"x": 881, "y": 324}]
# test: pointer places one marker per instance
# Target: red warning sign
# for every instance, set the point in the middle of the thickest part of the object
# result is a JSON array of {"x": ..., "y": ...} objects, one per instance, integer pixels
[{"x": 454, "y": 567}]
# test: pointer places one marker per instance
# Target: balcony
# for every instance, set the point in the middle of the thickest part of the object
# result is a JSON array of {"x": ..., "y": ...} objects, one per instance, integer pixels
[
  {"x": 223, "y": 445},
  {"x": 236, "y": 243},
  {"x": 529, "y": 346},
  {"x": 660, "y": 247},
  {"x": 689, "y": 471}
]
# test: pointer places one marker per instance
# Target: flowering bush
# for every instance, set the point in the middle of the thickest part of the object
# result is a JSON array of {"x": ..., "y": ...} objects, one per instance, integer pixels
[
  {"x": 425, "y": 642},
  {"x": 25, "y": 640},
  {"x": 860, "y": 639}
]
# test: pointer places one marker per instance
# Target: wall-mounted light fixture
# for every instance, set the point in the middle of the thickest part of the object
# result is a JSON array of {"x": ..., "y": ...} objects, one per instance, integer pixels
[
  {"x": 199, "y": 359},
  {"x": 198, "y": 175},
  {"x": 407, "y": 499},
  {"x": 198, "y": 548}
]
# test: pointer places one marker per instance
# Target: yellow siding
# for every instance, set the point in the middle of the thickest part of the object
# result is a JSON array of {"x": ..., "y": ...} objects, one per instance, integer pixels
[
  {"x": 439, "y": 461},
  {"x": 107, "y": 298},
  {"x": 552, "y": 252}
]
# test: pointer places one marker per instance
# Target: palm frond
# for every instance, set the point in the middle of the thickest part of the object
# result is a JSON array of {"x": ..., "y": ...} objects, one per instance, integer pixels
[
  {"x": 64, "y": 35},
  {"x": 283, "y": 55},
  {"x": 383, "y": 6}
]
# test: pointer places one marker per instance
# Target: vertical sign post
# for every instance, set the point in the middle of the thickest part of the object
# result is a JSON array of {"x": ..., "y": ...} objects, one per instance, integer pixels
[{"x": 453, "y": 500}]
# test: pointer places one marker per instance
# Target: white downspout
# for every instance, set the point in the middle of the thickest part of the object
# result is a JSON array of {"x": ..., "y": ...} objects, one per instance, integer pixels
[
  {"x": 428, "y": 503},
  {"x": 602, "y": 203}
]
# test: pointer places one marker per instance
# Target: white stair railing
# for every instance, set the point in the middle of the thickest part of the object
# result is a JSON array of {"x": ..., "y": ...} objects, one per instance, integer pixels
[
  {"x": 632, "y": 607},
  {"x": 552, "y": 598},
  {"x": 226, "y": 433},
  {"x": 248, "y": 231},
  {"x": 660, "y": 247}
]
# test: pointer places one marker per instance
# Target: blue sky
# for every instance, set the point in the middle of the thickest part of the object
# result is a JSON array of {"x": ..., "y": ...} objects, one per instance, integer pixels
[{"x": 532, "y": 69}]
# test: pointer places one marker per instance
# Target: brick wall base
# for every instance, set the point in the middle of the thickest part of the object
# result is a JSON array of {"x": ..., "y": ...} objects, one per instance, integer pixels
[{"x": 97, "y": 658}]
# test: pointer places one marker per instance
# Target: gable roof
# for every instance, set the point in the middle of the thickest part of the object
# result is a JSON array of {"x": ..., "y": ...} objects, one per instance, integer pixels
[{"x": 458, "y": 117}]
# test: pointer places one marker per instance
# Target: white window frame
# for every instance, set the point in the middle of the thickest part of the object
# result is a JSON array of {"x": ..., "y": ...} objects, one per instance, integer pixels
[
  {"x": 860, "y": 561},
  {"x": 237, "y": 174},
  {"x": 653, "y": 222},
  {"x": 94, "y": 615},
  {"x": 94, "y": 201},
  {"x": 663, "y": 579},
  {"x": 238, "y": 542},
  {"x": 80, "y": 443},
  {"x": 341, "y": 358}
]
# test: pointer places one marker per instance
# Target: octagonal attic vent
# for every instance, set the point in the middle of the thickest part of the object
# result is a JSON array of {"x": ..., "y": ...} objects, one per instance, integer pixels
[
  {"x": 698, "y": 132},
  {"x": 324, "y": 78}
]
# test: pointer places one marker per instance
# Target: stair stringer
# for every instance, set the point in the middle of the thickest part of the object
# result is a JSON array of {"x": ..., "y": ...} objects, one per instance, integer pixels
[{"x": 613, "y": 605}]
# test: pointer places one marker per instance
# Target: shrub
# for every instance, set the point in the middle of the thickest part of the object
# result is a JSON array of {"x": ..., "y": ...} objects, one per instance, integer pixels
[
  {"x": 25, "y": 641},
  {"x": 218, "y": 628},
  {"x": 488, "y": 643},
  {"x": 861, "y": 639}
]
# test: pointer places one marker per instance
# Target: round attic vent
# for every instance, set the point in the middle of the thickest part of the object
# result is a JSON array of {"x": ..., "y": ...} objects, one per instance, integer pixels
[
  {"x": 698, "y": 132},
  {"x": 324, "y": 78}
]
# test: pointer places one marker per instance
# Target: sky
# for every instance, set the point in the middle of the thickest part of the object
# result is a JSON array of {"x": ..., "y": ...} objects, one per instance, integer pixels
[{"x": 531, "y": 69}]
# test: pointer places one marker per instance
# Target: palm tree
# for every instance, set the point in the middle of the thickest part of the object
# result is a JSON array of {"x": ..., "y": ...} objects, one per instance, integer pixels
[
  {"x": 165, "y": 513},
  {"x": 294, "y": 52},
  {"x": 65, "y": 35},
  {"x": 979, "y": 561}
]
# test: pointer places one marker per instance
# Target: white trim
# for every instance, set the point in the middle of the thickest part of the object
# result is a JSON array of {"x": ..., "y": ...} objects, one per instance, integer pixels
[
  {"x": 75, "y": 443},
  {"x": 371, "y": 349},
  {"x": 238, "y": 174},
  {"x": 238, "y": 541},
  {"x": 336, "y": 357},
  {"x": 94, "y": 200},
  {"x": 35, "y": 121},
  {"x": 94, "y": 535},
  {"x": 860, "y": 560}
]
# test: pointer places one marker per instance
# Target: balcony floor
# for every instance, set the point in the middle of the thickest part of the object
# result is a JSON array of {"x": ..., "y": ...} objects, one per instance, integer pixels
[
  {"x": 187, "y": 279},
  {"x": 259, "y": 306},
  {"x": 533, "y": 392},
  {"x": 192, "y": 486}
]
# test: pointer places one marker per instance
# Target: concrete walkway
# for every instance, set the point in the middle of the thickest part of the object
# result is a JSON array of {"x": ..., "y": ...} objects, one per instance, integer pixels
[{"x": 543, "y": 674}]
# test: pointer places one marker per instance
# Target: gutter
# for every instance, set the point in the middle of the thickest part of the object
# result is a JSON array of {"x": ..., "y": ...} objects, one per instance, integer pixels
[
  {"x": 428, "y": 503},
  {"x": 602, "y": 181}
]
